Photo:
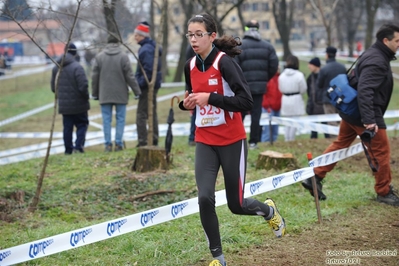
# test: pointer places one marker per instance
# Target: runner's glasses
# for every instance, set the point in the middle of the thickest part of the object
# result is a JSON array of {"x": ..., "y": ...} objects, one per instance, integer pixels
[{"x": 197, "y": 35}]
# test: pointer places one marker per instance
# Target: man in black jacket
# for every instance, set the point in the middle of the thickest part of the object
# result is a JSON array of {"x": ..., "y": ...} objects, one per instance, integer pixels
[
  {"x": 73, "y": 99},
  {"x": 374, "y": 87},
  {"x": 259, "y": 63}
]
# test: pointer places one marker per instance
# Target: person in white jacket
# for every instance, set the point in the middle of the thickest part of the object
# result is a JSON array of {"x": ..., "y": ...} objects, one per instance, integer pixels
[{"x": 292, "y": 84}]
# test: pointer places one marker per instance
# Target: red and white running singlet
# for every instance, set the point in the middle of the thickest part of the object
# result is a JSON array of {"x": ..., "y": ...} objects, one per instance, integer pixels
[{"x": 215, "y": 126}]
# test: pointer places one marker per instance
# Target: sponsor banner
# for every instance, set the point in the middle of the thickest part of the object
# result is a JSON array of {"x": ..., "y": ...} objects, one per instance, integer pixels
[{"x": 335, "y": 156}]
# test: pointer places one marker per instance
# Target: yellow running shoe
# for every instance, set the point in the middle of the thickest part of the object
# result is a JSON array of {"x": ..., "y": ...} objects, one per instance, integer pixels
[
  {"x": 216, "y": 263},
  {"x": 277, "y": 222}
]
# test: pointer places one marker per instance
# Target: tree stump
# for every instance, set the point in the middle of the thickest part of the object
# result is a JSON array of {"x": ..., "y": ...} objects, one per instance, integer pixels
[
  {"x": 150, "y": 158},
  {"x": 276, "y": 160}
]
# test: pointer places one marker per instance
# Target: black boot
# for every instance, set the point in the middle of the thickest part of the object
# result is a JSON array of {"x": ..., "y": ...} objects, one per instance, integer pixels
[{"x": 307, "y": 183}]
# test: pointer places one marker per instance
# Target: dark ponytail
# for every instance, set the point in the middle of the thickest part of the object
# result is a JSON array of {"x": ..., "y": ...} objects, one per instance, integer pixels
[{"x": 228, "y": 44}]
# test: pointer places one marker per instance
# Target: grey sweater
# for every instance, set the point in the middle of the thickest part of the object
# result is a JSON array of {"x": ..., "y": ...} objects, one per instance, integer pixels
[{"x": 112, "y": 73}]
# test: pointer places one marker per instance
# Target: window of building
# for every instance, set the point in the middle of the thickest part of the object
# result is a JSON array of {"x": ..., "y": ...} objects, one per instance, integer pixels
[
  {"x": 245, "y": 7},
  {"x": 265, "y": 6},
  {"x": 297, "y": 24},
  {"x": 265, "y": 25},
  {"x": 176, "y": 11},
  {"x": 255, "y": 6}
]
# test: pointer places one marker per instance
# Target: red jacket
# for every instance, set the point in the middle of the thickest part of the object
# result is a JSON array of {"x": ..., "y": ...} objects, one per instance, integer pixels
[{"x": 272, "y": 97}]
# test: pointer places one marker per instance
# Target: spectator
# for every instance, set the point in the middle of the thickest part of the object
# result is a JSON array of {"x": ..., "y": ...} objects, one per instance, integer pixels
[
  {"x": 88, "y": 56},
  {"x": 8, "y": 58},
  {"x": 73, "y": 99},
  {"x": 359, "y": 47},
  {"x": 292, "y": 85},
  {"x": 146, "y": 60},
  {"x": 218, "y": 89},
  {"x": 312, "y": 45},
  {"x": 191, "y": 138},
  {"x": 326, "y": 74},
  {"x": 374, "y": 87},
  {"x": 271, "y": 104},
  {"x": 112, "y": 73},
  {"x": 312, "y": 107},
  {"x": 259, "y": 62},
  {"x": 3, "y": 64}
]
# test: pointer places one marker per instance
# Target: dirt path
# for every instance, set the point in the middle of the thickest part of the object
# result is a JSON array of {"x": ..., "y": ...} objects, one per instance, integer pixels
[{"x": 375, "y": 228}]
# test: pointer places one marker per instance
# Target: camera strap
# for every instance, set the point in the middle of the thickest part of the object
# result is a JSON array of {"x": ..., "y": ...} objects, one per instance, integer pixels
[{"x": 374, "y": 167}]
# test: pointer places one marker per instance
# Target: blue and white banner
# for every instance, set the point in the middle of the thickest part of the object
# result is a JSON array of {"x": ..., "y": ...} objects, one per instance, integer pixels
[{"x": 113, "y": 228}]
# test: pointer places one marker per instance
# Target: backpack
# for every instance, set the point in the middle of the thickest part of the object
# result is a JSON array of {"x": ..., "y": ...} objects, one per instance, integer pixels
[{"x": 342, "y": 95}]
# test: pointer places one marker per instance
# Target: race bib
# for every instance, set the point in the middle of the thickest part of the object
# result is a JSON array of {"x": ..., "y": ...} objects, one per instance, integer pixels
[{"x": 209, "y": 116}]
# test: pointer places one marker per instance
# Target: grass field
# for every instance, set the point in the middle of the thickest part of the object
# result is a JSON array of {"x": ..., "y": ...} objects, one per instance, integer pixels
[{"x": 85, "y": 189}]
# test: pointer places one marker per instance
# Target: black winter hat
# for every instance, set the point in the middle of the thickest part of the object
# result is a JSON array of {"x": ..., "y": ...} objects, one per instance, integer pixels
[
  {"x": 331, "y": 50},
  {"x": 252, "y": 24},
  {"x": 315, "y": 61},
  {"x": 72, "y": 48}
]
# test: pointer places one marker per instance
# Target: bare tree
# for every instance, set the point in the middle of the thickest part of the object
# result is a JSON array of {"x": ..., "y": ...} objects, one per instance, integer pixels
[
  {"x": 151, "y": 83},
  {"x": 109, "y": 14},
  {"x": 283, "y": 12},
  {"x": 371, "y": 10},
  {"x": 10, "y": 14},
  {"x": 326, "y": 10},
  {"x": 211, "y": 7},
  {"x": 219, "y": 10},
  {"x": 188, "y": 7},
  {"x": 349, "y": 14},
  {"x": 165, "y": 39},
  {"x": 69, "y": 27}
]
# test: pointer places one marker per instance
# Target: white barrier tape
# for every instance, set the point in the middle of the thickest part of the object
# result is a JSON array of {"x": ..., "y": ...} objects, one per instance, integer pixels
[
  {"x": 96, "y": 116},
  {"x": 309, "y": 118},
  {"x": 295, "y": 122},
  {"x": 30, "y": 135},
  {"x": 159, "y": 99},
  {"x": 320, "y": 118},
  {"x": 113, "y": 228},
  {"x": 335, "y": 156},
  {"x": 96, "y": 125},
  {"x": 178, "y": 129},
  {"x": 92, "y": 139},
  {"x": 393, "y": 127},
  {"x": 26, "y": 72},
  {"x": 26, "y": 114}
]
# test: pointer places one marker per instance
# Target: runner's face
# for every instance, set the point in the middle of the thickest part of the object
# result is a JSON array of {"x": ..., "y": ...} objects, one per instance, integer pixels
[
  {"x": 394, "y": 43},
  {"x": 200, "y": 45}
]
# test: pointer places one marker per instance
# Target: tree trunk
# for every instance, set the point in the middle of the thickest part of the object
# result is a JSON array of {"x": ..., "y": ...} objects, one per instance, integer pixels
[
  {"x": 283, "y": 12},
  {"x": 276, "y": 160},
  {"x": 189, "y": 8},
  {"x": 151, "y": 84},
  {"x": 371, "y": 10},
  {"x": 182, "y": 60},
  {"x": 36, "y": 198},
  {"x": 109, "y": 13},
  {"x": 165, "y": 35},
  {"x": 150, "y": 158}
]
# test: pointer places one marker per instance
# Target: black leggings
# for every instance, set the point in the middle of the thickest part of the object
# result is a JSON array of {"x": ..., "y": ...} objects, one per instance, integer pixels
[{"x": 233, "y": 159}]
